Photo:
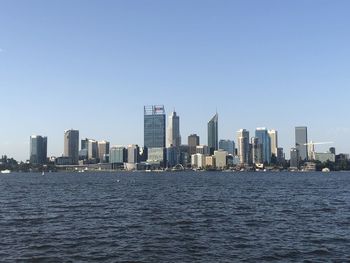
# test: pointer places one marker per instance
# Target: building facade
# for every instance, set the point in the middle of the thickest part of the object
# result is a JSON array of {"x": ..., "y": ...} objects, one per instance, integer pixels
[
  {"x": 301, "y": 142},
  {"x": 173, "y": 130},
  {"x": 227, "y": 145},
  {"x": 193, "y": 142},
  {"x": 213, "y": 136},
  {"x": 71, "y": 145},
  {"x": 264, "y": 139},
  {"x": 38, "y": 149},
  {"x": 154, "y": 126},
  {"x": 243, "y": 146}
]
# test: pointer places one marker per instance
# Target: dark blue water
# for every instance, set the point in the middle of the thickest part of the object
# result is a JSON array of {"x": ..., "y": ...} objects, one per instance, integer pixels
[{"x": 179, "y": 217}]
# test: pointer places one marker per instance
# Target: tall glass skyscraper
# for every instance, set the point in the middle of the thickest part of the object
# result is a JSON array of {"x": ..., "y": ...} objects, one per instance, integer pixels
[
  {"x": 71, "y": 145},
  {"x": 154, "y": 126},
  {"x": 228, "y": 146},
  {"x": 301, "y": 142},
  {"x": 38, "y": 149},
  {"x": 173, "y": 131},
  {"x": 264, "y": 139},
  {"x": 213, "y": 137}
]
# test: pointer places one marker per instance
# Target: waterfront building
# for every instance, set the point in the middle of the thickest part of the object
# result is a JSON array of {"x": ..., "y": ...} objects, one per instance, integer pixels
[
  {"x": 264, "y": 140},
  {"x": 280, "y": 156},
  {"x": 103, "y": 151},
  {"x": 172, "y": 156},
  {"x": 301, "y": 142},
  {"x": 173, "y": 130},
  {"x": 203, "y": 149},
  {"x": 294, "y": 158},
  {"x": 273, "y": 134},
  {"x": 92, "y": 150},
  {"x": 133, "y": 154},
  {"x": 324, "y": 157},
  {"x": 210, "y": 161},
  {"x": 243, "y": 146},
  {"x": 157, "y": 156},
  {"x": 198, "y": 160},
  {"x": 256, "y": 151},
  {"x": 221, "y": 158},
  {"x": 193, "y": 142},
  {"x": 38, "y": 149},
  {"x": 213, "y": 136},
  {"x": 117, "y": 155},
  {"x": 71, "y": 145},
  {"x": 227, "y": 145},
  {"x": 154, "y": 126}
]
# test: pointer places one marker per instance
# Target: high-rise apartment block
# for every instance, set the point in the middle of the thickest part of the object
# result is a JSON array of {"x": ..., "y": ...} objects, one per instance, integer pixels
[{"x": 243, "y": 146}]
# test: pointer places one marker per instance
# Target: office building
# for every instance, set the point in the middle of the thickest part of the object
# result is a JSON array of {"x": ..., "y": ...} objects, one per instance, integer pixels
[
  {"x": 154, "y": 126},
  {"x": 71, "y": 145},
  {"x": 221, "y": 159},
  {"x": 117, "y": 155},
  {"x": 173, "y": 130},
  {"x": 103, "y": 151},
  {"x": 198, "y": 160},
  {"x": 172, "y": 156},
  {"x": 256, "y": 151},
  {"x": 264, "y": 140},
  {"x": 203, "y": 149},
  {"x": 243, "y": 146},
  {"x": 38, "y": 149},
  {"x": 193, "y": 142},
  {"x": 133, "y": 154},
  {"x": 210, "y": 161},
  {"x": 157, "y": 157},
  {"x": 294, "y": 158},
  {"x": 301, "y": 142},
  {"x": 227, "y": 145},
  {"x": 92, "y": 150},
  {"x": 213, "y": 136},
  {"x": 324, "y": 157},
  {"x": 273, "y": 141}
]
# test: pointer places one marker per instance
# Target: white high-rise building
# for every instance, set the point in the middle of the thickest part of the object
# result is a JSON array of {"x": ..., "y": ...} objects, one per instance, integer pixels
[
  {"x": 243, "y": 146},
  {"x": 173, "y": 131},
  {"x": 274, "y": 141}
]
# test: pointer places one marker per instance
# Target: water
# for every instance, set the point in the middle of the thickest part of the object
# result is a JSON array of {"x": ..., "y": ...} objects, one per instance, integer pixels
[{"x": 179, "y": 217}]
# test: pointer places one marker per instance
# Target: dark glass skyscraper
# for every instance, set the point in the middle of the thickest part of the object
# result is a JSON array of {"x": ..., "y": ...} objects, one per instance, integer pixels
[
  {"x": 38, "y": 149},
  {"x": 301, "y": 142},
  {"x": 213, "y": 137},
  {"x": 154, "y": 126},
  {"x": 71, "y": 145},
  {"x": 264, "y": 139}
]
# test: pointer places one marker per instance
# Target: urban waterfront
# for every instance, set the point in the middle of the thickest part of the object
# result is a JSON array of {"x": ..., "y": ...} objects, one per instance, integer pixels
[{"x": 175, "y": 217}]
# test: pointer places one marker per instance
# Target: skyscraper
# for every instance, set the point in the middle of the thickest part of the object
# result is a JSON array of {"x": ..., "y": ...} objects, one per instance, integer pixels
[
  {"x": 227, "y": 145},
  {"x": 103, "y": 150},
  {"x": 193, "y": 142},
  {"x": 294, "y": 158},
  {"x": 213, "y": 137},
  {"x": 173, "y": 131},
  {"x": 243, "y": 146},
  {"x": 154, "y": 126},
  {"x": 274, "y": 141},
  {"x": 256, "y": 151},
  {"x": 38, "y": 149},
  {"x": 264, "y": 140},
  {"x": 301, "y": 142},
  {"x": 71, "y": 145}
]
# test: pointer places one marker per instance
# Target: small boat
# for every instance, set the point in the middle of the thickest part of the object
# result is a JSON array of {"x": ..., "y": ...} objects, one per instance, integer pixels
[
  {"x": 5, "y": 171},
  {"x": 326, "y": 170},
  {"x": 43, "y": 173}
]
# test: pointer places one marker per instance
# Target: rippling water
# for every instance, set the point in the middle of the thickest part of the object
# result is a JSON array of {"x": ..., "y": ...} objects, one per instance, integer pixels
[{"x": 179, "y": 217}]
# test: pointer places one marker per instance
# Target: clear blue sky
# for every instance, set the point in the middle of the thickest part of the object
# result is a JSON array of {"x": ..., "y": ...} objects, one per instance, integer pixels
[{"x": 92, "y": 65}]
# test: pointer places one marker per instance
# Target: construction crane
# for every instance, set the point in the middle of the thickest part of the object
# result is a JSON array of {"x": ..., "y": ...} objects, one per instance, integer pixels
[{"x": 311, "y": 148}]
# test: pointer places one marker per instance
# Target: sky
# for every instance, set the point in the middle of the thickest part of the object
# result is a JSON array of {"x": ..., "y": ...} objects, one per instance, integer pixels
[{"x": 93, "y": 65}]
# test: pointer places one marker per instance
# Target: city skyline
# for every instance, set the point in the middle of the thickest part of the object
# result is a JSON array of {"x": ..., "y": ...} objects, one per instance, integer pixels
[{"x": 195, "y": 56}]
